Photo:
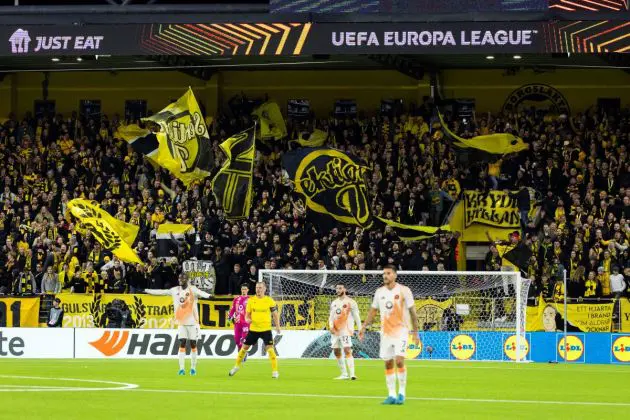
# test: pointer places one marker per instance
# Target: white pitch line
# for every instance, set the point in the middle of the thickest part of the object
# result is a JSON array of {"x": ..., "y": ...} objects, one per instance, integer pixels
[
  {"x": 31, "y": 386},
  {"x": 372, "y": 397},
  {"x": 119, "y": 386}
]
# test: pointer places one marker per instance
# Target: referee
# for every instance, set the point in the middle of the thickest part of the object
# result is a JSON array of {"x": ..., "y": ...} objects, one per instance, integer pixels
[{"x": 260, "y": 310}]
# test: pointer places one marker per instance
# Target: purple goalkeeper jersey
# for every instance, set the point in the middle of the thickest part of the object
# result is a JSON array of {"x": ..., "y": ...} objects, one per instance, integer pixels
[{"x": 237, "y": 312}]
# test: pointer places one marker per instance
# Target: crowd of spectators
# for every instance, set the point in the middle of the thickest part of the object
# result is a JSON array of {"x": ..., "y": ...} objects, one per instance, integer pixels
[{"x": 576, "y": 165}]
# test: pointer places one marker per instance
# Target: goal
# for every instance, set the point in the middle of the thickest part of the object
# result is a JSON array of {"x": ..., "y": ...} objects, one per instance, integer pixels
[{"x": 461, "y": 315}]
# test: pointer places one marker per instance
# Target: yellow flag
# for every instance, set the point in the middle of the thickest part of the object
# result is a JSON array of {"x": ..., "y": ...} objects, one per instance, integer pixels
[
  {"x": 184, "y": 143},
  {"x": 174, "y": 228},
  {"x": 270, "y": 121},
  {"x": 315, "y": 139},
  {"x": 110, "y": 239},
  {"x": 496, "y": 144},
  {"x": 130, "y": 132},
  {"x": 114, "y": 235},
  {"x": 84, "y": 209}
]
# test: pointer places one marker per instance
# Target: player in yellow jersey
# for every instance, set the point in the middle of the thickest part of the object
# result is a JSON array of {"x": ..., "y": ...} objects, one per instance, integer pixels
[
  {"x": 397, "y": 308},
  {"x": 260, "y": 311}
]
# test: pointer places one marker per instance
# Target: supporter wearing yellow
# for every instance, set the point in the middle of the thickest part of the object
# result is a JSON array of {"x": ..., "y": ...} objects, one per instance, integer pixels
[
  {"x": 260, "y": 311},
  {"x": 451, "y": 186},
  {"x": 91, "y": 279}
]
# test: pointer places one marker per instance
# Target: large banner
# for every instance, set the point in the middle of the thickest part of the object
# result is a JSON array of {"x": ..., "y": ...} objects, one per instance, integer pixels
[
  {"x": 581, "y": 317},
  {"x": 267, "y": 37},
  {"x": 36, "y": 343},
  {"x": 624, "y": 314},
  {"x": 125, "y": 344},
  {"x": 100, "y": 343},
  {"x": 495, "y": 212},
  {"x": 294, "y": 314},
  {"x": 19, "y": 312},
  {"x": 156, "y": 312},
  {"x": 139, "y": 311}
]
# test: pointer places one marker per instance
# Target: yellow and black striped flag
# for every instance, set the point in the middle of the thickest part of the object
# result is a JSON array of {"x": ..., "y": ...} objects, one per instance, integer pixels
[{"x": 232, "y": 186}]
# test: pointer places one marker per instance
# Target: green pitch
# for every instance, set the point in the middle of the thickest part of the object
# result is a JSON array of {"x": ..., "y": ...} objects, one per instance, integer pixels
[{"x": 67, "y": 389}]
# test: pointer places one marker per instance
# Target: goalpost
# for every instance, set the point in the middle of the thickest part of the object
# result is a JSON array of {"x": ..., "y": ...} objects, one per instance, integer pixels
[{"x": 463, "y": 315}]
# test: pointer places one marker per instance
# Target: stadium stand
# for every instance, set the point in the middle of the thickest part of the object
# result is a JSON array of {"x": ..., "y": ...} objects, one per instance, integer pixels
[{"x": 581, "y": 179}]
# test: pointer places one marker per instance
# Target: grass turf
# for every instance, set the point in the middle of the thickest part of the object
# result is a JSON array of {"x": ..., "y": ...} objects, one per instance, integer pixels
[{"x": 306, "y": 390}]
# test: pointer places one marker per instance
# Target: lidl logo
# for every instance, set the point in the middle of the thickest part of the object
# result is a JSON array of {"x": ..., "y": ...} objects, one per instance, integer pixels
[
  {"x": 574, "y": 348},
  {"x": 621, "y": 348},
  {"x": 463, "y": 347},
  {"x": 413, "y": 351},
  {"x": 509, "y": 347}
]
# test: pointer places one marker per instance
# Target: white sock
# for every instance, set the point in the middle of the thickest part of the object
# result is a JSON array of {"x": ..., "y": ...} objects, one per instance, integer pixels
[
  {"x": 182, "y": 360},
  {"x": 193, "y": 358},
  {"x": 350, "y": 361},
  {"x": 342, "y": 366},
  {"x": 402, "y": 381},
  {"x": 390, "y": 380}
]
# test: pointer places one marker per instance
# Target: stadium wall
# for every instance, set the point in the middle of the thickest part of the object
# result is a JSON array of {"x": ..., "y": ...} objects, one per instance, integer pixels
[
  {"x": 322, "y": 88},
  {"x": 112, "y": 88},
  {"x": 581, "y": 88},
  {"x": 98, "y": 343},
  {"x": 5, "y": 95}
]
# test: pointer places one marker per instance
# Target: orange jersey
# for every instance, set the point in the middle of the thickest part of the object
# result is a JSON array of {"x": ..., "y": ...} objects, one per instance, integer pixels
[
  {"x": 344, "y": 317},
  {"x": 394, "y": 307},
  {"x": 184, "y": 302}
]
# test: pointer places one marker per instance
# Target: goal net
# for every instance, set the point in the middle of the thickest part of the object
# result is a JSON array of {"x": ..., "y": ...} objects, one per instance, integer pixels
[{"x": 461, "y": 315}]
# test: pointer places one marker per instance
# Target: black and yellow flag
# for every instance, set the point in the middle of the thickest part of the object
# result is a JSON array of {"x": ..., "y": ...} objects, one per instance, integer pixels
[
  {"x": 232, "y": 186},
  {"x": 334, "y": 184},
  {"x": 141, "y": 140},
  {"x": 184, "y": 146},
  {"x": 413, "y": 232},
  {"x": 495, "y": 144},
  {"x": 114, "y": 235},
  {"x": 270, "y": 121},
  {"x": 169, "y": 238}
]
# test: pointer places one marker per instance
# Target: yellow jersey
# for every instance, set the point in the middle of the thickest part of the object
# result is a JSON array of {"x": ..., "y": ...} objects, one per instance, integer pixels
[{"x": 259, "y": 309}]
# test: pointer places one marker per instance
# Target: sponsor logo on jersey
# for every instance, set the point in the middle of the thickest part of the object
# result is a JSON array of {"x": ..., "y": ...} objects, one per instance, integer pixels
[
  {"x": 621, "y": 348},
  {"x": 463, "y": 347},
  {"x": 509, "y": 347},
  {"x": 574, "y": 348}
]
